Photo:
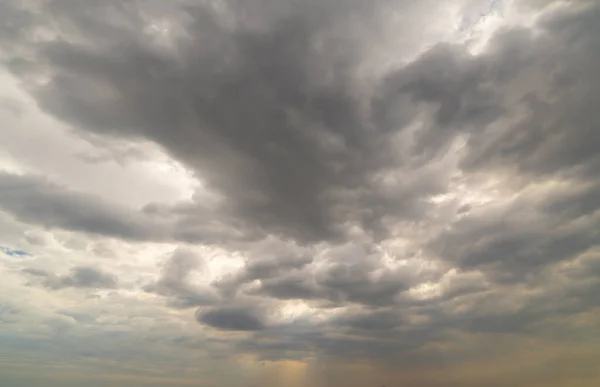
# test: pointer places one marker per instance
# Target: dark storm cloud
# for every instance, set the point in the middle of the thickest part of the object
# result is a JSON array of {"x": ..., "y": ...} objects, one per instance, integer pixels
[
  {"x": 174, "y": 281},
  {"x": 79, "y": 277},
  {"x": 301, "y": 155},
  {"x": 231, "y": 319},
  {"x": 267, "y": 111},
  {"x": 528, "y": 106},
  {"x": 558, "y": 133},
  {"x": 538, "y": 89}
]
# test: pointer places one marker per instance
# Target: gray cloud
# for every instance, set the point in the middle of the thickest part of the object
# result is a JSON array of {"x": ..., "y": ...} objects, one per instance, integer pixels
[
  {"x": 365, "y": 281},
  {"x": 350, "y": 273},
  {"x": 527, "y": 107},
  {"x": 290, "y": 287},
  {"x": 79, "y": 277},
  {"x": 88, "y": 277},
  {"x": 369, "y": 334},
  {"x": 518, "y": 238},
  {"x": 564, "y": 98},
  {"x": 231, "y": 319},
  {"x": 17, "y": 24},
  {"x": 260, "y": 269},
  {"x": 299, "y": 157},
  {"x": 36, "y": 200},
  {"x": 399, "y": 335},
  {"x": 174, "y": 281},
  {"x": 266, "y": 260},
  {"x": 377, "y": 321},
  {"x": 512, "y": 86}
]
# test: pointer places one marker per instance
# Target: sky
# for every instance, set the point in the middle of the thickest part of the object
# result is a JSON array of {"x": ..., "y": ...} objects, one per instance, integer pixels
[{"x": 299, "y": 193}]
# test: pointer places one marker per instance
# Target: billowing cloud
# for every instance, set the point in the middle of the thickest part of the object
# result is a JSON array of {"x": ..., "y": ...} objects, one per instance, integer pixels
[{"x": 299, "y": 157}]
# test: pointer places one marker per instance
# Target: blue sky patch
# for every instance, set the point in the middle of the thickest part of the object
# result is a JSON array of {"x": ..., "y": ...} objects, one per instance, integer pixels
[{"x": 13, "y": 252}]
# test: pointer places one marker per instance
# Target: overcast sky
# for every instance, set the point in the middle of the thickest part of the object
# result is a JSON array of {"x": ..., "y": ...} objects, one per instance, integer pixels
[{"x": 299, "y": 193}]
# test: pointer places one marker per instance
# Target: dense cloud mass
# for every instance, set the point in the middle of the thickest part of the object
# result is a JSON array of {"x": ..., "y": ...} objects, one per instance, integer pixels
[{"x": 387, "y": 189}]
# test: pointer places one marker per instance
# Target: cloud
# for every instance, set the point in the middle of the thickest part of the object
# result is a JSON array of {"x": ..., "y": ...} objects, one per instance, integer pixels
[
  {"x": 300, "y": 156},
  {"x": 377, "y": 321},
  {"x": 352, "y": 206},
  {"x": 517, "y": 237},
  {"x": 34, "y": 199},
  {"x": 266, "y": 260},
  {"x": 231, "y": 319},
  {"x": 515, "y": 118},
  {"x": 174, "y": 281},
  {"x": 290, "y": 287},
  {"x": 88, "y": 277},
  {"x": 37, "y": 200},
  {"x": 79, "y": 277},
  {"x": 8, "y": 314}
]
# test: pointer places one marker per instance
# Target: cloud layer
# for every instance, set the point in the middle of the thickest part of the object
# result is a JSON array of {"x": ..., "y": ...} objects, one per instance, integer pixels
[{"x": 374, "y": 189}]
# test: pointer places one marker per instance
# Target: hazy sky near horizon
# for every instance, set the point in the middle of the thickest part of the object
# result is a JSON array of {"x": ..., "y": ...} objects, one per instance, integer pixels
[{"x": 299, "y": 193}]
